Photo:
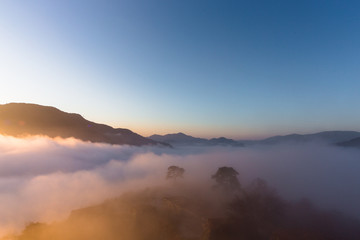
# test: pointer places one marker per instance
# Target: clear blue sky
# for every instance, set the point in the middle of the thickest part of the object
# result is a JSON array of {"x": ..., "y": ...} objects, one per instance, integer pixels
[{"x": 208, "y": 68}]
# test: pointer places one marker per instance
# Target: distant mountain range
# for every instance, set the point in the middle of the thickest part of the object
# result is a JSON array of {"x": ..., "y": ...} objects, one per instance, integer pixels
[
  {"x": 330, "y": 137},
  {"x": 183, "y": 139},
  {"x": 341, "y": 138},
  {"x": 21, "y": 119}
]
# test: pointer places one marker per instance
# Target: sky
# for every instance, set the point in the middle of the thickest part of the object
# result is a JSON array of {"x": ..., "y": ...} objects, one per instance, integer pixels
[{"x": 239, "y": 69}]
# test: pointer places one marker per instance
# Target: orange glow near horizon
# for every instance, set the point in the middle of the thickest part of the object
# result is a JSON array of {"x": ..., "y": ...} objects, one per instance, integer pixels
[{"x": 201, "y": 132}]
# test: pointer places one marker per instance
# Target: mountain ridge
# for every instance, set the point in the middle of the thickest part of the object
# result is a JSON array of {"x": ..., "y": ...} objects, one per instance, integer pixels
[
  {"x": 23, "y": 119},
  {"x": 26, "y": 119},
  {"x": 183, "y": 139},
  {"x": 328, "y": 137}
]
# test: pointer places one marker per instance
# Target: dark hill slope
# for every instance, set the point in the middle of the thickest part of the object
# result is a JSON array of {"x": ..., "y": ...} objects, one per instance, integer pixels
[
  {"x": 21, "y": 119},
  {"x": 351, "y": 143}
]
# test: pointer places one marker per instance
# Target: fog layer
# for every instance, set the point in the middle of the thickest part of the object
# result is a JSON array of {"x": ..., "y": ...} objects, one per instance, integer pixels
[{"x": 43, "y": 179}]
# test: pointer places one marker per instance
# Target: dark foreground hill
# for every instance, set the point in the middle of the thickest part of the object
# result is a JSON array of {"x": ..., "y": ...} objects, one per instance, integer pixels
[
  {"x": 181, "y": 213},
  {"x": 20, "y": 119}
]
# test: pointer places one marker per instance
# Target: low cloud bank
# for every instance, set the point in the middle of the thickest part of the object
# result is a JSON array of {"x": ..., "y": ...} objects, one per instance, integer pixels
[{"x": 43, "y": 179}]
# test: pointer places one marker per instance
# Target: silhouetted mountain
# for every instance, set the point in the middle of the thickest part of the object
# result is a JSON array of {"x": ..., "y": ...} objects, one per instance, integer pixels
[
  {"x": 178, "y": 138},
  {"x": 183, "y": 139},
  {"x": 330, "y": 137},
  {"x": 225, "y": 141},
  {"x": 21, "y": 119},
  {"x": 355, "y": 142}
]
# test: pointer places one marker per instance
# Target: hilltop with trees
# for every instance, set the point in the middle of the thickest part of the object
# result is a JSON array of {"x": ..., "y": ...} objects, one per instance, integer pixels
[{"x": 255, "y": 211}]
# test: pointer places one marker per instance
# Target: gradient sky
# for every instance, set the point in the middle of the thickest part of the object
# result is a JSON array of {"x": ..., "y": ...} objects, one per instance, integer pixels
[{"x": 241, "y": 69}]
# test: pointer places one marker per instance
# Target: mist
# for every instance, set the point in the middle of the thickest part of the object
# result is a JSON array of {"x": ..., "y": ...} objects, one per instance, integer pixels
[{"x": 43, "y": 179}]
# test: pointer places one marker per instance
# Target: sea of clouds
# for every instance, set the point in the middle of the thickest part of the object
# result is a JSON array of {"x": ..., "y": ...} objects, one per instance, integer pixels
[{"x": 43, "y": 179}]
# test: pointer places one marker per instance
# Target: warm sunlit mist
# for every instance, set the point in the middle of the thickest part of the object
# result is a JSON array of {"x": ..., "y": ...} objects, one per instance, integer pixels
[{"x": 40, "y": 178}]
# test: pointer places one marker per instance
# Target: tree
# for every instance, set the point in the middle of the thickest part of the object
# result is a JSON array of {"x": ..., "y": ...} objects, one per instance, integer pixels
[
  {"x": 175, "y": 172},
  {"x": 226, "y": 178}
]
